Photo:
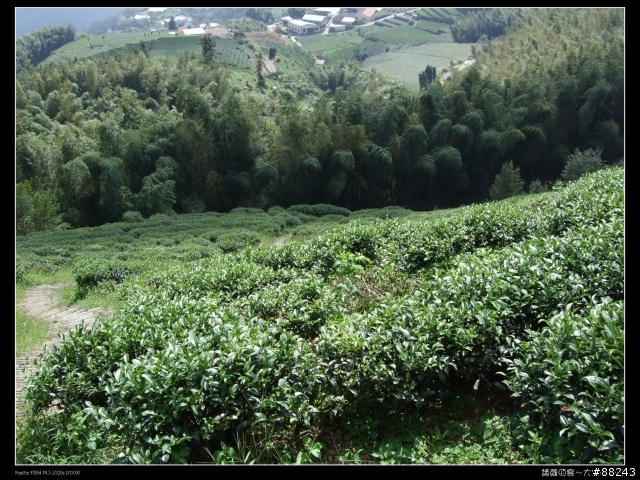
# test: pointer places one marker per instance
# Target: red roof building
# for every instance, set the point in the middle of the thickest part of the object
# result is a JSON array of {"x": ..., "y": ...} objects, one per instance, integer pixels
[{"x": 365, "y": 14}]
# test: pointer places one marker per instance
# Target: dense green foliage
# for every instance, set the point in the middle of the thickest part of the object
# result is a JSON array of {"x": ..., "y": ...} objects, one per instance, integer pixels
[
  {"x": 261, "y": 14},
  {"x": 129, "y": 132},
  {"x": 34, "y": 47},
  {"x": 387, "y": 315},
  {"x": 489, "y": 22}
]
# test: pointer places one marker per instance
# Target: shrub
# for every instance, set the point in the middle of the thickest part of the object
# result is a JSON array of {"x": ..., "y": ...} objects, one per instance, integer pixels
[
  {"x": 22, "y": 268},
  {"x": 193, "y": 206},
  {"x": 574, "y": 406},
  {"x": 231, "y": 242},
  {"x": 320, "y": 209},
  {"x": 132, "y": 217},
  {"x": 275, "y": 210},
  {"x": 247, "y": 210},
  {"x": 537, "y": 187},
  {"x": 90, "y": 274}
]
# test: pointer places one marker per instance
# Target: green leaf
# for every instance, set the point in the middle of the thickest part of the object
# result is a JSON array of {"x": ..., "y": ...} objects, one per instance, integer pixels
[
  {"x": 596, "y": 381},
  {"x": 582, "y": 427}
]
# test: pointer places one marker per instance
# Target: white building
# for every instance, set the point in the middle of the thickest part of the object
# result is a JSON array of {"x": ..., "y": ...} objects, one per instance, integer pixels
[
  {"x": 317, "y": 19},
  {"x": 302, "y": 28},
  {"x": 348, "y": 20},
  {"x": 157, "y": 9},
  {"x": 193, "y": 31}
]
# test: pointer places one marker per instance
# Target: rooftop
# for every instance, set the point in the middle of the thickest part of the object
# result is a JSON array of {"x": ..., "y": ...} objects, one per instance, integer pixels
[
  {"x": 300, "y": 23},
  {"x": 314, "y": 18},
  {"x": 331, "y": 10},
  {"x": 369, "y": 12},
  {"x": 219, "y": 32},
  {"x": 193, "y": 31}
]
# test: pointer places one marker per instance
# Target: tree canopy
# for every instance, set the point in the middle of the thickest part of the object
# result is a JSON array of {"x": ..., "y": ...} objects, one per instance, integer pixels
[{"x": 105, "y": 135}]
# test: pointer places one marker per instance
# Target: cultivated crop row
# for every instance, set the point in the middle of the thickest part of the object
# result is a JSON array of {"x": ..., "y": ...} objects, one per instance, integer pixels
[{"x": 291, "y": 338}]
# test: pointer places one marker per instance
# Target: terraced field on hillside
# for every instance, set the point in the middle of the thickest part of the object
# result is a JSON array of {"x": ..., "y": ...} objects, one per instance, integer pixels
[{"x": 407, "y": 63}]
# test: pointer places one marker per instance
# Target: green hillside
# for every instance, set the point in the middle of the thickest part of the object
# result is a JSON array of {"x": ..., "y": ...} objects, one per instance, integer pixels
[{"x": 370, "y": 330}]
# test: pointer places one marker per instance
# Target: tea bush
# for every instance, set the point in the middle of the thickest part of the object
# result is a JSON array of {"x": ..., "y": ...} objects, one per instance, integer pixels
[
  {"x": 573, "y": 402},
  {"x": 230, "y": 242},
  {"x": 531, "y": 289},
  {"x": 132, "y": 217},
  {"x": 320, "y": 209},
  {"x": 90, "y": 273}
]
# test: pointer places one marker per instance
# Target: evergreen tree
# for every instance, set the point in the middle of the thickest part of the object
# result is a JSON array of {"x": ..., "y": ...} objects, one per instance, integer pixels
[
  {"x": 208, "y": 46},
  {"x": 261, "y": 82},
  {"x": 427, "y": 77},
  {"x": 582, "y": 162},
  {"x": 172, "y": 24},
  {"x": 507, "y": 183}
]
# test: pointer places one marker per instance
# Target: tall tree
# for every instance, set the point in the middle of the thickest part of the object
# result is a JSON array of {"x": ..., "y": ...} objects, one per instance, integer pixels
[
  {"x": 296, "y": 12},
  {"x": 208, "y": 48}
]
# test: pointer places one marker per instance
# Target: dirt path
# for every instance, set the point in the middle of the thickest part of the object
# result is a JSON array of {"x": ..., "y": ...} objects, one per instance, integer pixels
[
  {"x": 43, "y": 301},
  {"x": 281, "y": 241},
  {"x": 267, "y": 64},
  {"x": 457, "y": 67}
]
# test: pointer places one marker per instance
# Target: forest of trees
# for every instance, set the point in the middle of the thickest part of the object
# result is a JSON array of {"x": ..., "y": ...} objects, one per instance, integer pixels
[
  {"x": 102, "y": 136},
  {"x": 491, "y": 22},
  {"x": 261, "y": 14},
  {"x": 36, "y": 46}
]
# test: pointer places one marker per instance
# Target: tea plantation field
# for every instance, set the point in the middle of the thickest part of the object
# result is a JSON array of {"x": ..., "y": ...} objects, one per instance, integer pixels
[
  {"x": 407, "y": 63},
  {"x": 486, "y": 334},
  {"x": 159, "y": 45}
]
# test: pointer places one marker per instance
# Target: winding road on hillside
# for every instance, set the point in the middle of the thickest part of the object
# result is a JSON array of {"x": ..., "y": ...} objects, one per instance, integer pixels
[{"x": 44, "y": 302}]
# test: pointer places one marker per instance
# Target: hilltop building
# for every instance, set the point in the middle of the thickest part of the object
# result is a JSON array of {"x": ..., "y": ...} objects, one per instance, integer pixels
[
  {"x": 300, "y": 27},
  {"x": 192, "y": 31},
  {"x": 365, "y": 14},
  {"x": 321, "y": 20}
]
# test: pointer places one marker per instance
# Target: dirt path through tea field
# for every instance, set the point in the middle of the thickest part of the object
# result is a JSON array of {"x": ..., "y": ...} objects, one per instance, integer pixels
[
  {"x": 281, "y": 241},
  {"x": 44, "y": 302}
]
